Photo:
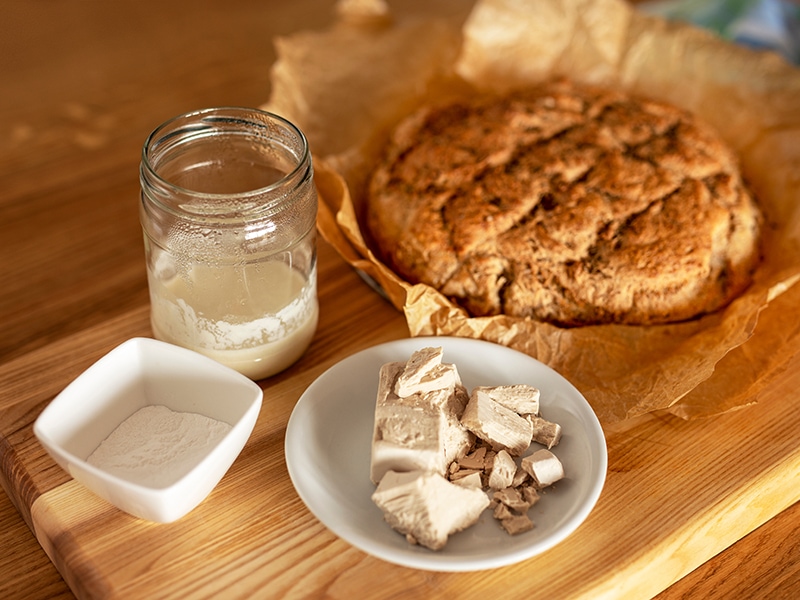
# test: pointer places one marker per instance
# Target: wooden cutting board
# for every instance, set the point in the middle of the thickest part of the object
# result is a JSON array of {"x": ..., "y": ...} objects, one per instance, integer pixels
[{"x": 677, "y": 492}]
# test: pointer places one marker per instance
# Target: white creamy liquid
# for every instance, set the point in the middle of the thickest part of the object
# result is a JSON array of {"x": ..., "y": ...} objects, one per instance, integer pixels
[{"x": 258, "y": 318}]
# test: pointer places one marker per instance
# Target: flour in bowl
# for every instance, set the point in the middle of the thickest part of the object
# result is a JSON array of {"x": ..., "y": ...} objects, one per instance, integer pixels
[{"x": 156, "y": 446}]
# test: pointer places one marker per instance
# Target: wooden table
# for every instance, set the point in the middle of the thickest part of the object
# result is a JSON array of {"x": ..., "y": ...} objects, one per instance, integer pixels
[{"x": 82, "y": 85}]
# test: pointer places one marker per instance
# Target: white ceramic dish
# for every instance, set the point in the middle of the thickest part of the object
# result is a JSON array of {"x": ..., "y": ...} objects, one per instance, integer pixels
[
  {"x": 135, "y": 374},
  {"x": 328, "y": 443}
]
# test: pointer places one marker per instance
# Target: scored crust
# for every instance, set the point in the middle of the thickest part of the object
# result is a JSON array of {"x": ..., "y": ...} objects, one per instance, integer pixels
[{"x": 568, "y": 204}]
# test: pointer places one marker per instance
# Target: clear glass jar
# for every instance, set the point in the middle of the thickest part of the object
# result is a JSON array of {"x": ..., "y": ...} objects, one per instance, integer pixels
[{"x": 228, "y": 208}]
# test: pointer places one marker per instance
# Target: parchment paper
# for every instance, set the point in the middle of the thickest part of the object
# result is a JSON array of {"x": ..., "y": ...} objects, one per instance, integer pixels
[{"x": 346, "y": 86}]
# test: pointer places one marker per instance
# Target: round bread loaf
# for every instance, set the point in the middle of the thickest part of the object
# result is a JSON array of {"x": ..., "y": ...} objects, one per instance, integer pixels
[{"x": 567, "y": 204}]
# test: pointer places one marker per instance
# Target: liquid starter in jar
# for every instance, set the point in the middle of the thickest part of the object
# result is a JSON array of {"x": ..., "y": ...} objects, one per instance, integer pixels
[{"x": 257, "y": 318}]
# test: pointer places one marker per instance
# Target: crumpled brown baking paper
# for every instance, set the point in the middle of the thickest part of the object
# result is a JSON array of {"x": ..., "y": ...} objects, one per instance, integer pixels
[{"x": 346, "y": 86}]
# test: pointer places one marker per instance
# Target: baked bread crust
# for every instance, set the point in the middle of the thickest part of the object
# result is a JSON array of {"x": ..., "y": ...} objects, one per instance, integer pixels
[{"x": 568, "y": 204}]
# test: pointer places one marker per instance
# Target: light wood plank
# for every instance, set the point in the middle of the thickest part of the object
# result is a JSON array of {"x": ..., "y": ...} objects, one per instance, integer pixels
[{"x": 677, "y": 493}]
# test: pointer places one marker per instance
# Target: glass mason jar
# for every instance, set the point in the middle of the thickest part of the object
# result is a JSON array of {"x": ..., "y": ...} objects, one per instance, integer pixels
[{"x": 228, "y": 208}]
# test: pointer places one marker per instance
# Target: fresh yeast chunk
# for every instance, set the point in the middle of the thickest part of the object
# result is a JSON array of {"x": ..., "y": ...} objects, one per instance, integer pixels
[
  {"x": 421, "y": 365},
  {"x": 441, "y": 376},
  {"x": 544, "y": 467},
  {"x": 523, "y": 399},
  {"x": 417, "y": 432},
  {"x": 545, "y": 432},
  {"x": 469, "y": 479},
  {"x": 503, "y": 470},
  {"x": 427, "y": 508},
  {"x": 494, "y": 423}
]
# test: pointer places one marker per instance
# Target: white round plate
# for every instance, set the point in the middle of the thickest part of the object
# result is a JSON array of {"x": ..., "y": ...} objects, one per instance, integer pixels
[{"x": 329, "y": 440}]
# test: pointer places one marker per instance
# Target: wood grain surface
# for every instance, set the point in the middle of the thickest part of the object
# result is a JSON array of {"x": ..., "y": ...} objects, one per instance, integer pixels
[{"x": 702, "y": 509}]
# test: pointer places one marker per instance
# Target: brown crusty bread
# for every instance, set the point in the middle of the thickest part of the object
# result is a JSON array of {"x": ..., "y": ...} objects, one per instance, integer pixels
[{"x": 568, "y": 204}]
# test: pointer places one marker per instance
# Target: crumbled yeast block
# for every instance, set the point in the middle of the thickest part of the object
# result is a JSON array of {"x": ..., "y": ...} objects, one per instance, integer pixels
[
  {"x": 441, "y": 376},
  {"x": 503, "y": 470},
  {"x": 501, "y": 511},
  {"x": 544, "y": 467},
  {"x": 461, "y": 473},
  {"x": 471, "y": 479},
  {"x": 495, "y": 415},
  {"x": 427, "y": 508},
  {"x": 523, "y": 399},
  {"x": 530, "y": 495},
  {"x": 431, "y": 436},
  {"x": 545, "y": 432},
  {"x": 516, "y": 524},
  {"x": 421, "y": 365},
  {"x": 458, "y": 402},
  {"x": 496, "y": 424},
  {"x": 520, "y": 477},
  {"x": 512, "y": 498},
  {"x": 473, "y": 460},
  {"x": 511, "y": 506},
  {"x": 420, "y": 431}
]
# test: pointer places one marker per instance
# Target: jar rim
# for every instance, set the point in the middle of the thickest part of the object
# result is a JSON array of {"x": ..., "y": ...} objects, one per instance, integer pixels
[{"x": 204, "y": 119}]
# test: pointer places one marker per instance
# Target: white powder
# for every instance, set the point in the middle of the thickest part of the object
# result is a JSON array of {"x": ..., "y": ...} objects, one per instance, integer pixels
[{"x": 156, "y": 446}]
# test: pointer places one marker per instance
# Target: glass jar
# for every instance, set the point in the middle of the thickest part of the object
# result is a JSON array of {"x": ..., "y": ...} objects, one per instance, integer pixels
[{"x": 228, "y": 208}]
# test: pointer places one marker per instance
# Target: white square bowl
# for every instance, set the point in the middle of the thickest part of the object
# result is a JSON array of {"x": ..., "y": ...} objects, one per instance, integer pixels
[{"x": 138, "y": 373}]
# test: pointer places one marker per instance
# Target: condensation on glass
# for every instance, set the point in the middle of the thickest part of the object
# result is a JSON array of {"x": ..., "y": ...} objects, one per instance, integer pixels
[{"x": 228, "y": 208}]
